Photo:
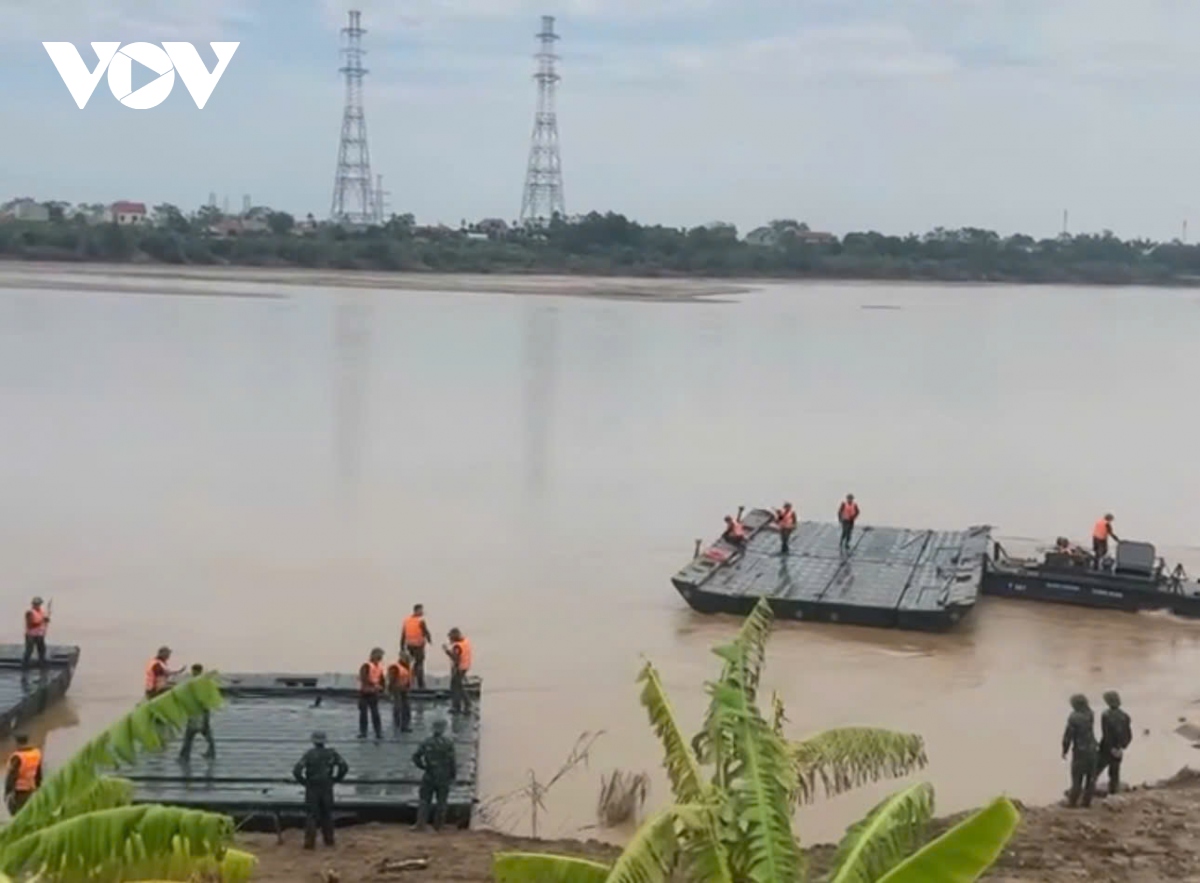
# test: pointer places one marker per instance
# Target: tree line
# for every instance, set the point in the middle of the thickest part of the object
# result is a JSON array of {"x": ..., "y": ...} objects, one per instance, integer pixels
[{"x": 600, "y": 244}]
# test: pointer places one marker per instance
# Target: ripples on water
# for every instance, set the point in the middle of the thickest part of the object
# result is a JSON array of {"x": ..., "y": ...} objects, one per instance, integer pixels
[{"x": 271, "y": 483}]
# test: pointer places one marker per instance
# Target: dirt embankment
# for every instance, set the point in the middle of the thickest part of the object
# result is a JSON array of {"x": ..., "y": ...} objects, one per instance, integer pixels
[{"x": 1148, "y": 834}]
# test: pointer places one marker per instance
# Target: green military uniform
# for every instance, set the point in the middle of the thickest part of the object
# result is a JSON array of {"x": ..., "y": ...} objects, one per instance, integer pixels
[
  {"x": 200, "y": 725},
  {"x": 1116, "y": 732},
  {"x": 1079, "y": 738},
  {"x": 435, "y": 757},
  {"x": 318, "y": 771}
]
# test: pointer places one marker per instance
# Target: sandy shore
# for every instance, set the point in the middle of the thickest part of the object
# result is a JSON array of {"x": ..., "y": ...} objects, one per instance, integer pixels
[
  {"x": 264, "y": 282},
  {"x": 1147, "y": 834}
]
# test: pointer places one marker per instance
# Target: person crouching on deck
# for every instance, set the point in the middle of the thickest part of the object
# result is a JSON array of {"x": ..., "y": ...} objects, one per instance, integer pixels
[{"x": 735, "y": 532}]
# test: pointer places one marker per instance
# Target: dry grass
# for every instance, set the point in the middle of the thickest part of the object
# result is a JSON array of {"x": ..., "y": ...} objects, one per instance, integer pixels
[{"x": 622, "y": 796}]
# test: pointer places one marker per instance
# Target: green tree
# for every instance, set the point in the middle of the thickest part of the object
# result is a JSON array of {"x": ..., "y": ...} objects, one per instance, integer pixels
[
  {"x": 169, "y": 217},
  {"x": 205, "y": 217},
  {"x": 81, "y": 826},
  {"x": 280, "y": 223},
  {"x": 736, "y": 786}
]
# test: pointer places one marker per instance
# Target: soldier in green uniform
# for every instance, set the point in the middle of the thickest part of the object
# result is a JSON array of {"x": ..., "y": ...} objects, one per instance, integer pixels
[
  {"x": 318, "y": 771},
  {"x": 435, "y": 756},
  {"x": 1079, "y": 738},
  {"x": 1116, "y": 732},
  {"x": 200, "y": 725}
]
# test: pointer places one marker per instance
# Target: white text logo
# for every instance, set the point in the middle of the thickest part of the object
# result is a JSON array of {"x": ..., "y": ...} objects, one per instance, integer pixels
[{"x": 118, "y": 60}]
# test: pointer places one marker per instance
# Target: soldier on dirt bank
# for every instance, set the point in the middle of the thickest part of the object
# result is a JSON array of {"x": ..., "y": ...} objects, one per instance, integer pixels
[
  {"x": 1116, "y": 732},
  {"x": 318, "y": 771},
  {"x": 435, "y": 757},
  {"x": 1079, "y": 738}
]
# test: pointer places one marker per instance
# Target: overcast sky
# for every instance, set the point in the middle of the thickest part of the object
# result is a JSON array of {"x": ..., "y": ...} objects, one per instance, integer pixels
[{"x": 896, "y": 115}]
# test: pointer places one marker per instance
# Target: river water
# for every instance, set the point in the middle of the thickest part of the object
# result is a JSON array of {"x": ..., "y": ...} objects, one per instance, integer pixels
[{"x": 270, "y": 483}]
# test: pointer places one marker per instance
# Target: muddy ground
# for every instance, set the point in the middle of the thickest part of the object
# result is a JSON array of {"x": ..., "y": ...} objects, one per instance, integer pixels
[{"x": 1151, "y": 833}]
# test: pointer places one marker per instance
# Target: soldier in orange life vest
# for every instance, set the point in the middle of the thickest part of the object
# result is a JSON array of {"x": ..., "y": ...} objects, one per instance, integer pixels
[
  {"x": 735, "y": 532},
  {"x": 24, "y": 774},
  {"x": 158, "y": 676},
  {"x": 459, "y": 651},
  {"x": 371, "y": 684},
  {"x": 399, "y": 682},
  {"x": 414, "y": 636},
  {"x": 786, "y": 519},
  {"x": 36, "y": 622},
  {"x": 847, "y": 515},
  {"x": 1101, "y": 533}
]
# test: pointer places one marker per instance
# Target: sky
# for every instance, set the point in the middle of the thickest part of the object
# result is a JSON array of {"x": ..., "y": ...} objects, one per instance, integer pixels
[{"x": 892, "y": 115}]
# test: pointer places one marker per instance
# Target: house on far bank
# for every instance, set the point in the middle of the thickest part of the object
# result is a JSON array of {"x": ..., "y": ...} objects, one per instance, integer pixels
[
  {"x": 254, "y": 221},
  {"x": 780, "y": 232},
  {"x": 305, "y": 226},
  {"x": 126, "y": 213},
  {"x": 24, "y": 209}
]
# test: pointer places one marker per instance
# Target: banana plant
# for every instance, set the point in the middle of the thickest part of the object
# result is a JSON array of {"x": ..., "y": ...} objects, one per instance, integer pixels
[
  {"x": 81, "y": 826},
  {"x": 737, "y": 783}
]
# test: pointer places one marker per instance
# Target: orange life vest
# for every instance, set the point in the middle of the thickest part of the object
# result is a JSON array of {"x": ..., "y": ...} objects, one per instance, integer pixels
[
  {"x": 400, "y": 675},
  {"x": 374, "y": 681},
  {"x": 414, "y": 634},
  {"x": 28, "y": 760},
  {"x": 35, "y": 623},
  {"x": 464, "y": 654},
  {"x": 156, "y": 675},
  {"x": 787, "y": 518},
  {"x": 848, "y": 511},
  {"x": 1101, "y": 531}
]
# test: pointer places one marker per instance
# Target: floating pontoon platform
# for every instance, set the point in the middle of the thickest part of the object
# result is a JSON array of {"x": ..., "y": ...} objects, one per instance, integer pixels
[
  {"x": 267, "y": 723},
  {"x": 26, "y": 693},
  {"x": 926, "y": 580}
]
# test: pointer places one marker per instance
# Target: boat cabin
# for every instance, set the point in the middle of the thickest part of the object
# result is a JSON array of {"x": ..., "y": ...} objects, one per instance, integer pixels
[{"x": 1138, "y": 560}]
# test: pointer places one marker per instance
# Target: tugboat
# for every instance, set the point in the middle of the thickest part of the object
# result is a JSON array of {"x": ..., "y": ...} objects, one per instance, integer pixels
[{"x": 1136, "y": 579}]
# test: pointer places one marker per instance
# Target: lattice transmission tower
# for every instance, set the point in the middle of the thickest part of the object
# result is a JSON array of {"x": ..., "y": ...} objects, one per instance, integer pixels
[
  {"x": 543, "y": 197},
  {"x": 354, "y": 197}
]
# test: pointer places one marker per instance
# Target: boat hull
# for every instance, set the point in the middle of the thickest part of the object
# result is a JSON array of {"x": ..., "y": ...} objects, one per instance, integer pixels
[
  {"x": 1087, "y": 589},
  {"x": 941, "y": 620}
]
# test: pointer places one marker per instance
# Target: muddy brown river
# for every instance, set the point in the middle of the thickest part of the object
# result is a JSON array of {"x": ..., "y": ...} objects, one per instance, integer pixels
[{"x": 270, "y": 483}]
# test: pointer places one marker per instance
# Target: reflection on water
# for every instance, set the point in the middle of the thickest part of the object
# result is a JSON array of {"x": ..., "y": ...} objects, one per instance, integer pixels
[
  {"x": 167, "y": 476},
  {"x": 352, "y": 360},
  {"x": 540, "y": 369}
]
